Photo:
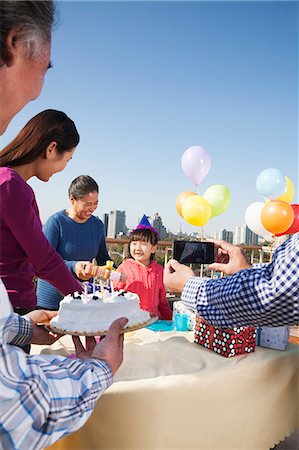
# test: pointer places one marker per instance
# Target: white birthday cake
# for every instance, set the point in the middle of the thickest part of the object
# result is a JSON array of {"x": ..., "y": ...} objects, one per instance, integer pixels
[{"x": 81, "y": 313}]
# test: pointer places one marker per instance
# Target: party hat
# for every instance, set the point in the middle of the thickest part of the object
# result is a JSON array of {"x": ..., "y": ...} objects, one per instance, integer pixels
[{"x": 145, "y": 224}]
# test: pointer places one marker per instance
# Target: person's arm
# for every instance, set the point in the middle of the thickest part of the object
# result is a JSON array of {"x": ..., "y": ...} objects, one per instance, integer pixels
[
  {"x": 28, "y": 329},
  {"x": 102, "y": 256},
  {"x": 263, "y": 296},
  {"x": 19, "y": 330},
  {"x": 21, "y": 216},
  {"x": 163, "y": 307},
  {"x": 46, "y": 397},
  {"x": 52, "y": 232},
  {"x": 123, "y": 283}
]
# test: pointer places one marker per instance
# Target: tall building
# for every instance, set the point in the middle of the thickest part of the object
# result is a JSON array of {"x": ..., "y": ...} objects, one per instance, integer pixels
[
  {"x": 157, "y": 223},
  {"x": 116, "y": 223},
  {"x": 105, "y": 222},
  {"x": 243, "y": 235},
  {"x": 225, "y": 235}
]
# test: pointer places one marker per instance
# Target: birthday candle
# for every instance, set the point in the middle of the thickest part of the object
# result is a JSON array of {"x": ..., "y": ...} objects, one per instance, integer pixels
[
  {"x": 93, "y": 286},
  {"x": 85, "y": 293},
  {"x": 112, "y": 287},
  {"x": 102, "y": 289}
]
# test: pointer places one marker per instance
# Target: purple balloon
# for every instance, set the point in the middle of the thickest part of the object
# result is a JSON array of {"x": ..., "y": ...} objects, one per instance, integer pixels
[{"x": 196, "y": 163}]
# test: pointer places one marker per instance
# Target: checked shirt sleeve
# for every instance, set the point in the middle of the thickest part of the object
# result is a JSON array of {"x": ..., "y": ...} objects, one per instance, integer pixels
[
  {"x": 43, "y": 397},
  {"x": 263, "y": 296},
  {"x": 19, "y": 330}
]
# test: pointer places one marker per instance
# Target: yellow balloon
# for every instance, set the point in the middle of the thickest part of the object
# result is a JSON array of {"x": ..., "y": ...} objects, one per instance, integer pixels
[
  {"x": 196, "y": 210},
  {"x": 180, "y": 200},
  {"x": 288, "y": 194}
]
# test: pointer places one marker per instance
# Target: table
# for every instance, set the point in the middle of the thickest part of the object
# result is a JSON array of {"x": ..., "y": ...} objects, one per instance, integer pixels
[{"x": 173, "y": 394}]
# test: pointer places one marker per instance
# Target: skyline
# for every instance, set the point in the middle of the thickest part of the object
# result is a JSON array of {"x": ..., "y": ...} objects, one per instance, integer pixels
[
  {"x": 145, "y": 81},
  {"x": 196, "y": 230}
]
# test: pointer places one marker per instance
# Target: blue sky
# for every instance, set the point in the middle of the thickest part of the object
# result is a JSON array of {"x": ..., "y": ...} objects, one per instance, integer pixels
[{"x": 143, "y": 81}]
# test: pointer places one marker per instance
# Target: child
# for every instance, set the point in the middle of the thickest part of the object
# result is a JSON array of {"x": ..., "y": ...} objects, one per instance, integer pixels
[{"x": 145, "y": 276}]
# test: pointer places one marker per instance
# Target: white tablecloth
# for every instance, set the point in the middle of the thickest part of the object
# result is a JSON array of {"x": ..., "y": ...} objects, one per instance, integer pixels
[{"x": 173, "y": 394}]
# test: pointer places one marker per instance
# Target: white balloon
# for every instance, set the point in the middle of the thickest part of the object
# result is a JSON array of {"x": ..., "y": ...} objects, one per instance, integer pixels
[{"x": 254, "y": 222}]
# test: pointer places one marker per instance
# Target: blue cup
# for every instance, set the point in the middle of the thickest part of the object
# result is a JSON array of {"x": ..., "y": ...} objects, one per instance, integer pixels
[{"x": 181, "y": 322}]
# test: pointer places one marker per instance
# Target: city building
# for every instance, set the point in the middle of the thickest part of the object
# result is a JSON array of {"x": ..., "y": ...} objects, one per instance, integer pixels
[
  {"x": 243, "y": 235},
  {"x": 105, "y": 220},
  {"x": 157, "y": 223},
  {"x": 225, "y": 235},
  {"x": 116, "y": 223}
]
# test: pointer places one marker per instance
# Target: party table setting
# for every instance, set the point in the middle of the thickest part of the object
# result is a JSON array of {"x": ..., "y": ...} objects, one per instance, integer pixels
[
  {"x": 172, "y": 393},
  {"x": 185, "y": 384}
]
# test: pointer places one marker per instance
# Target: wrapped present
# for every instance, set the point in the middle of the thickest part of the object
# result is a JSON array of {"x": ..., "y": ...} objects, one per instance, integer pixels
[
  {"x": 224, "y": 341},
  {"x": 272, "y": 337},
  {"x": 180, "y": 308}
]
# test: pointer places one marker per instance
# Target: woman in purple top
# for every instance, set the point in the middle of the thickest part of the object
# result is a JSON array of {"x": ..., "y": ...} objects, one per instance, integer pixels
[{"x": 43, "y": 147}]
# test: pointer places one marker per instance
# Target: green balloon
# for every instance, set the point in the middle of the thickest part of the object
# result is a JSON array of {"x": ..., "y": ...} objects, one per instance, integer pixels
[{"x": 218, "y": 196}]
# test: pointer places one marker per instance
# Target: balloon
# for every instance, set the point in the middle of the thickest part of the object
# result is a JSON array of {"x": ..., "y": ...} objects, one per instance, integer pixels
[
  {"x": 196, "y": 210},
  {"x": 218, "y": 196},
  {"x": 254, "y": 222},
  {"x": 271, "y": 183},
  {"x": 277, "y": 216},
  {"x": 288, "y": 194},
  {"x": 294, "y": 228},
  {"x": 196, "y": 163},
  {"x": 180, "y": 200}
]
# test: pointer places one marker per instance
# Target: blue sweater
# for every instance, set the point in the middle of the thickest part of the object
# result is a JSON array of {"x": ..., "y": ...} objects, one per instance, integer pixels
[{"x": 74, "y": 242}]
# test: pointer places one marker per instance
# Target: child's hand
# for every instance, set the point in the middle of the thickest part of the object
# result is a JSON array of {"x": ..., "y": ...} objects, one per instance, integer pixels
[{"x": 109, "y": 273}]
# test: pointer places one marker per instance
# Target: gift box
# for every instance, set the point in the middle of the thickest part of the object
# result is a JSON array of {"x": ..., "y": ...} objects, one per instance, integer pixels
[
  {"x": 180, "y": 308},
  {"x": 272, "y": 337},
  {"x": 226, "y": 342}
]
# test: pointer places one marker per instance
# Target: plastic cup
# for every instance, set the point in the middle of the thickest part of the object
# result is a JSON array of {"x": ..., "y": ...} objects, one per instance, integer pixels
[{"x": 181, "y": 322}]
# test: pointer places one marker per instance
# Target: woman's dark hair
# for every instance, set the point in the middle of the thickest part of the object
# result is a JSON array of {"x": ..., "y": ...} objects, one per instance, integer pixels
[
  {"x": 144, "y": 235},
  {"x": 82, "y": 186},
  {"x": 32, "y": 23},
  {"x": 32, "y": 141}
]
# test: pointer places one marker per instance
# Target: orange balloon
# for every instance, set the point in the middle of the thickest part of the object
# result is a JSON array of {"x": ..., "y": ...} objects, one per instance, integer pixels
[
  {"x": 277, "y": 216},
  {"x": 180, "y": 200}
]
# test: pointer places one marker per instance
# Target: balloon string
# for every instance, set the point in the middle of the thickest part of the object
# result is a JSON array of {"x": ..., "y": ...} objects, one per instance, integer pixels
[
  {"x": 271, "y": 247},
  {"x": 202, "y": 234}
]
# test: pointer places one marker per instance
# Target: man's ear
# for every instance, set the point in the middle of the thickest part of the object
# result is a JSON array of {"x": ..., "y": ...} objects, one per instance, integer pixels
[
  {"x": 51, "y": 151},
  {"x": 13, "y": 48}
]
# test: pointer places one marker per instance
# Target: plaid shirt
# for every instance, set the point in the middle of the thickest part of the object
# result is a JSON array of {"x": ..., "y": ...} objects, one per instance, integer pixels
[
  {"x": 263, "y": 295},
  {"x": 19, "y": 330},
  {"x": 44, "y": 397}
]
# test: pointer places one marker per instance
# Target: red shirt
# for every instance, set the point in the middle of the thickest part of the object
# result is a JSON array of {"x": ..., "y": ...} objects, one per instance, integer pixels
[{"x": 147, "y": 282}]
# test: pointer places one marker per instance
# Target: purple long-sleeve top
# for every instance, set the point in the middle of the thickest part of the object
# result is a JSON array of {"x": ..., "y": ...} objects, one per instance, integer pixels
[{"x": 24, "y": 250}]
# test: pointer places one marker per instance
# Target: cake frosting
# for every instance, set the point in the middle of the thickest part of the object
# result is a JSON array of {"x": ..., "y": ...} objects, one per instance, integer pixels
[{"x": 81, "y": 313}]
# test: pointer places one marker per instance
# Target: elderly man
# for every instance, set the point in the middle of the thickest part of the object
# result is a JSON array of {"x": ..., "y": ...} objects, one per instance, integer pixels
[{"x": 42, "y": 398}]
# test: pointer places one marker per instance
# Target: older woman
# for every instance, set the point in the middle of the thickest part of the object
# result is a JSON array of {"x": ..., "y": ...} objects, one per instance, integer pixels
[{"x": 77, "y": 235}]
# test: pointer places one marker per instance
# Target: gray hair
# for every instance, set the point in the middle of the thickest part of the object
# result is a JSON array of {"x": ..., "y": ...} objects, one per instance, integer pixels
[
  {"x": 31, "y": 20},
  {"x": 81, "y": 186}
]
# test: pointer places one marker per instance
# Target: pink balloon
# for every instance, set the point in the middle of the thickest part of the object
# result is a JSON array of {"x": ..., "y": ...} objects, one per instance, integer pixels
[{"x": 196, "y": 163}]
